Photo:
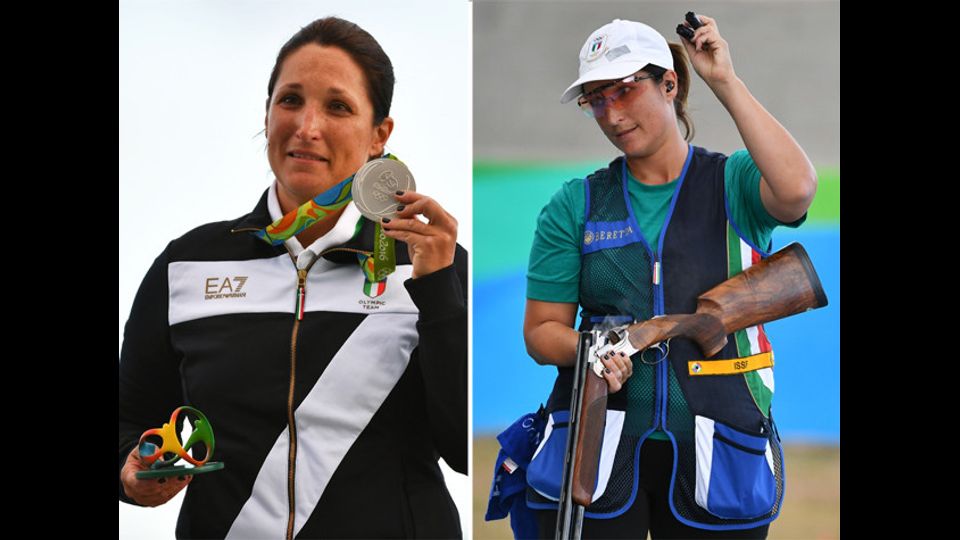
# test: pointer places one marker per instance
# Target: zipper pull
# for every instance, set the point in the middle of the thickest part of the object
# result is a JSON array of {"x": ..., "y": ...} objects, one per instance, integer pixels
[
  {"x": 301, "y": 293},
  {"x": 656, "y": 272}
]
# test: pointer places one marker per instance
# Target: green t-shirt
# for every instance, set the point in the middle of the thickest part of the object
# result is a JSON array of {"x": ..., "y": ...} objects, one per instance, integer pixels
[{"x": 553, "y": 274}]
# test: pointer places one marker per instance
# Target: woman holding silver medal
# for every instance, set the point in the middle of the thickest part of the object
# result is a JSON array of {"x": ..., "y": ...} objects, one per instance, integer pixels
[
  {"x": 683, "y": 456},
  {"x": 330, "y": 362}
]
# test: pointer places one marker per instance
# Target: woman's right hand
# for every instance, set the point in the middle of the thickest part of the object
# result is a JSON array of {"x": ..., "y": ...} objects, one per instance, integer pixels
[
  {"x": 149, "y": 492},
  {"x": 618, "y": 368}
]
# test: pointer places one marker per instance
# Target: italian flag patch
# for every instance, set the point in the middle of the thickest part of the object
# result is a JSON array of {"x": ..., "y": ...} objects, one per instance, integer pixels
[{"x": 374, "y": 289}]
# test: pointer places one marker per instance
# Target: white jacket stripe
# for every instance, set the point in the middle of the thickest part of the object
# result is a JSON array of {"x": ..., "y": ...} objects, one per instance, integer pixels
[{"x": 330, "y": 418}]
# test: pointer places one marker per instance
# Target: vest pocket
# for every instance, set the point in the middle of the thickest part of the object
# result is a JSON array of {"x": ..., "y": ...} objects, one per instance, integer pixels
[
  {"x": 545, "y": 472},
  {"x": 546, "y": 468},
  {"x": 735, "y": 472}
]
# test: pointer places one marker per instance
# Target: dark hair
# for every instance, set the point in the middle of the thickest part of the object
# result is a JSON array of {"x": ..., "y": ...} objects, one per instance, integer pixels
[
  {"x": 683, "y": 86},
  {"x": 359, "y": 44}
]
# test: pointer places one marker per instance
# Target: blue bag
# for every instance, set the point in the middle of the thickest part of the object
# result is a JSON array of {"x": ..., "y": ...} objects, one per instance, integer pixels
[{"x": 507, "y": 492}]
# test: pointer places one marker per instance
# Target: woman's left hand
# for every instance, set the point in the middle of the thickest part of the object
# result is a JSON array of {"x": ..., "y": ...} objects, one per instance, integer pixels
[
  {"x": 710, "y": 53},
  {"x": 618, "y": 367},
  {"x": 431, "y": 245}
]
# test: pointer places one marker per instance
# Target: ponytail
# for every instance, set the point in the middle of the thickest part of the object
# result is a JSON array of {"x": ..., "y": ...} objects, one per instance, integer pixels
[{"x": 682, "y": 68}]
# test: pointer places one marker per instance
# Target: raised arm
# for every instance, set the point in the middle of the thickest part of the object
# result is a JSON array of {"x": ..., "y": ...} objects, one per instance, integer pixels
[{"x": 788, "y": 181}]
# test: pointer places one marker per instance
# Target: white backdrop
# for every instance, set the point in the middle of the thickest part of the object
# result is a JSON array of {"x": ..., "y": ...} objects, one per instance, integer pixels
[{"x": 193, "y": 82}]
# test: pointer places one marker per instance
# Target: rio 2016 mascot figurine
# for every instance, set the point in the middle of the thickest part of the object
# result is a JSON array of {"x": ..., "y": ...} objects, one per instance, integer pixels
[{"x": 161, "y": 448}]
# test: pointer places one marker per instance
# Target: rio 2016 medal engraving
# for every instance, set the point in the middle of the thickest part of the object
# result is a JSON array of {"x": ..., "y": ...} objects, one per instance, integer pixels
[{"x": 376, "y": 184}]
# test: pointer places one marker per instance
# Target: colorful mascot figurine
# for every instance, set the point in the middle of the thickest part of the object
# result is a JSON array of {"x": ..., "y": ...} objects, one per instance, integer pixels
[{"x": 161, "y": 448}]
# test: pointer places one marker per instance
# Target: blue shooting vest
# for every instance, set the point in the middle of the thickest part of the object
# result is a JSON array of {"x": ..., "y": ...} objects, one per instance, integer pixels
[{"x": 728, "y": 462}]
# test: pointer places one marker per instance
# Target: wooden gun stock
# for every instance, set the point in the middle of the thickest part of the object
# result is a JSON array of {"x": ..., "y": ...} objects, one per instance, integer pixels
[{"x": 784, "y": 284}]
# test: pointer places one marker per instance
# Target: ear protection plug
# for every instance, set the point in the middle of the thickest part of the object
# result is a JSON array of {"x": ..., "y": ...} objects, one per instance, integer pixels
[{"x": 694, "y": 23}]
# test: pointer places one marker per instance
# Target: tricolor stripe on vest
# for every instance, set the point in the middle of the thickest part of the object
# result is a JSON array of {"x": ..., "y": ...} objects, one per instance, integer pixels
[{"x": 753, "y": 340}]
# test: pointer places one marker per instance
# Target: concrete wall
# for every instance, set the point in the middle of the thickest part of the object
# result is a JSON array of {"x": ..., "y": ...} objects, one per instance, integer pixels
[{"x": 525, "y": 55}]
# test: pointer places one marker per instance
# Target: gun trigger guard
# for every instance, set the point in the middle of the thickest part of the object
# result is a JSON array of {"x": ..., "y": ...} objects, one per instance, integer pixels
[
  {"x": 666, "y": 348},
  {"x": 662, "y": 347}
]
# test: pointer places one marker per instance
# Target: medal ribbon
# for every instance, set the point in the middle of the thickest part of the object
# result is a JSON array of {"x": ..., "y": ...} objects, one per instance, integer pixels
[
  {"x": 313, "y": 211},
  {"x": 376, "y": 266},
  {"x": 383, "y": 261}
]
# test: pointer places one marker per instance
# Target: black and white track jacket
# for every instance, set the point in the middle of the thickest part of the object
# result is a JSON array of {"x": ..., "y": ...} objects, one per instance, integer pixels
[{"x": 330, "y": 426}]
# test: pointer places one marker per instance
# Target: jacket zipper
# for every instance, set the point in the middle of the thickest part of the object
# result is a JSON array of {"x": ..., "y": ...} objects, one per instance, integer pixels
[
  {"x": 298, "y": 316},
  {"x": 292, "y": 457}
]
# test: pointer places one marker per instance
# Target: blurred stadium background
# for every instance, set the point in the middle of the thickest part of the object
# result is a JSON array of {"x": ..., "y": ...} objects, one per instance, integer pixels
[{"x": 526, "y": 145}]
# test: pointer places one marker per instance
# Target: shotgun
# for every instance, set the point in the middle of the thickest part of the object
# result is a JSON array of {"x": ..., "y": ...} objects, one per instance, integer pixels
[
  {"x": 781, "y": 285},
  {"x": 570, "y": 514}
]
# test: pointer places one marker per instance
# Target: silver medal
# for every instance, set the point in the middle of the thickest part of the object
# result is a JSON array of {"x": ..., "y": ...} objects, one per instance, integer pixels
[{"x": 376, "y": 184}]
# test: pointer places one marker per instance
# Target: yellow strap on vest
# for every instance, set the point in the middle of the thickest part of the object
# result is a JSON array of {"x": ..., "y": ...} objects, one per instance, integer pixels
[{"x": 731, "y": 366}]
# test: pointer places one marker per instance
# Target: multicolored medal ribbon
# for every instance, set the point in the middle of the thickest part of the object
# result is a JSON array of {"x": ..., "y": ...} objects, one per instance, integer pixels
[
  {"x": 376, "y": 266},
  {"x": 313, "y": 211}
]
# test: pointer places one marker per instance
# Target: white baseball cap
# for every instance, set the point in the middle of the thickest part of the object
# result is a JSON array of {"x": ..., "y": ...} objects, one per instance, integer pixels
[{"x": 616, "y": 50}]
